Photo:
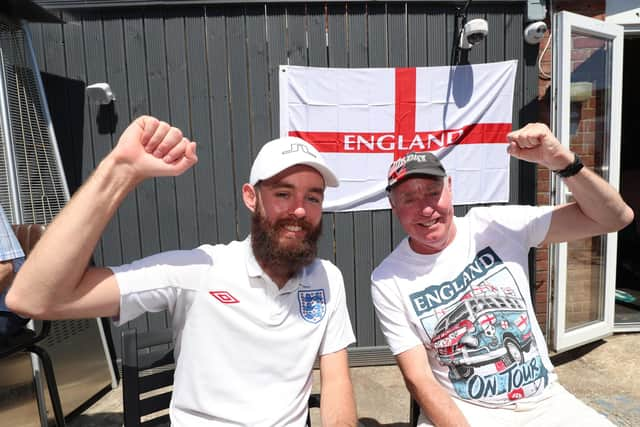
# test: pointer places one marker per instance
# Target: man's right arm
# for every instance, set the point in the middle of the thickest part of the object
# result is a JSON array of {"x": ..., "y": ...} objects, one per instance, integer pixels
[
  {"x": 54, "y": 281},
  {"x": 6, "y": 274},
  {"x": 434, "y": 400}
]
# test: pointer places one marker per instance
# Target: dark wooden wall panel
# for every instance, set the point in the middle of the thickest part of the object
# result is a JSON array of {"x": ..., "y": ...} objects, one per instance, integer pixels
[
  {"x": 212, "y": 70},
  {"x": 220, "y": 140},
  {"x": 199, "y": 118}
]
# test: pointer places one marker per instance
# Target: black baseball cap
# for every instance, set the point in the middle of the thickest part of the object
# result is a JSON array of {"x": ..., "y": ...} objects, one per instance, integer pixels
[{"x": 414, "y": 163}]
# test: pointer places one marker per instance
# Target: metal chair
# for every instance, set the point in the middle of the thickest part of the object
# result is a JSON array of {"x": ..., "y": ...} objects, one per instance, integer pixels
[
  {"x": 147, "y": 373},
  {"x": 414, "y": 410},
  {"x": 26, "y": 340}
]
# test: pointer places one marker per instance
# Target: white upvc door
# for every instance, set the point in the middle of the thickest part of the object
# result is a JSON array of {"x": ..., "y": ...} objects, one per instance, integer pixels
[{"x": 587, "y": 99}]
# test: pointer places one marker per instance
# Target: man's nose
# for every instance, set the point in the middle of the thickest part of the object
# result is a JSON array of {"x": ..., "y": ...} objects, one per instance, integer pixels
[
  {"x": 427, "y": 210},
  {"x": 299, "y": 212}
]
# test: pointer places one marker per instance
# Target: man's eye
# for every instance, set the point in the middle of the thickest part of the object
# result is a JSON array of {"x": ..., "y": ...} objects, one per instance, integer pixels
[
  {"x": 314, "y": 199},
  {"x": 282, "y": 195}
]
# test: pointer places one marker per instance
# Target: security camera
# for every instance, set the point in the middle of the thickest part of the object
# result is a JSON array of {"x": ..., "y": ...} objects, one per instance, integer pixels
[
  {"x": 535, "y": 32},
  {"x": 473, "y": 32}
]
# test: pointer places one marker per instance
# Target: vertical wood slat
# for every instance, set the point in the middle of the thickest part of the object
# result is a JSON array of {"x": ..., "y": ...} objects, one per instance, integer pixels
[
  {"x": 316, "y": 35},
  {"x": 258, "y": 65},
  {"x": 318, "y": 57},
  {"x": 199, "y": 102},
  {"x": 277, "y": 49},
  {"x": 343, "y": 225},
  {"x": 218, "y": 67},
  {"x": 116, "y": 71},
  {"x": 297, "y": 34},
  {"x": 417, "y": 28},
  {"x": 94, "y": 54},
  {"x": 137, "y": 73},
  {"x": 362, "y": 221},
  {"x": 380, "y": 220},
  {"x": 58, "y": 62},
  {"x": 397, "y": 53},
  {"x": 439, "y": 27},
  {"x": 239, "y": 106},
  {"x": 179, "y": 106},
  {"x": 213, "y": 71},
  {"x": 72, "y": 101},
  {"x": 513, "y": 49},
  {"x": 155, "y": 47}
]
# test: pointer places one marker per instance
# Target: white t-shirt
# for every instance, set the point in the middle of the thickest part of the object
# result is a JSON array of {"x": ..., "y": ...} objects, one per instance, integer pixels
[
  {"x": 244, "y": 349},
  {"x": 470, "y": 306}
]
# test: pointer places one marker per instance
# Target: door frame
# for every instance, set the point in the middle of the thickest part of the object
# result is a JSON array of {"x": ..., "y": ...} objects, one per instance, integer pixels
[{"x": 565, "y": 23}]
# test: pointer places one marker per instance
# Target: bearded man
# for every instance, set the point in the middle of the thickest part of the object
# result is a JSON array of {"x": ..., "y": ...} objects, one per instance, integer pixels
[{"x": 249, "y": 318}]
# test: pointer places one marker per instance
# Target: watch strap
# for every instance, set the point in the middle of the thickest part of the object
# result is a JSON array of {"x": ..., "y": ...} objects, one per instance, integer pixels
[{"x": 573, "y": 168}]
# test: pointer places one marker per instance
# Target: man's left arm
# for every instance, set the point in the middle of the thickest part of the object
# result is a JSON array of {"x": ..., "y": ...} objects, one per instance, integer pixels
[
  {"x": 598, "y": 208},
  {"x": 337, "y": 403}
]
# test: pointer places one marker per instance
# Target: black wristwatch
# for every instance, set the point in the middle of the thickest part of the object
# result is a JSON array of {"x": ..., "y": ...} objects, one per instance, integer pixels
[{"x": 573, "y": 168}]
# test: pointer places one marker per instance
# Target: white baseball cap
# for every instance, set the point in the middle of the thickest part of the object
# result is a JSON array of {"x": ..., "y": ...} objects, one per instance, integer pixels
[{"x": 282, "y": 153}]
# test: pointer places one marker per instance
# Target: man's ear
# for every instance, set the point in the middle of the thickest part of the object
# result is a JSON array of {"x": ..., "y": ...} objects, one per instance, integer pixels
[
  {"x": 249, "y": 197},
  {"x": 390, "y": 198}
]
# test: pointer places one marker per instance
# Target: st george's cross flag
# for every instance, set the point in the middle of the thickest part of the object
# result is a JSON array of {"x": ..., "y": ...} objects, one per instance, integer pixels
[{"x": 361, "y": 119}]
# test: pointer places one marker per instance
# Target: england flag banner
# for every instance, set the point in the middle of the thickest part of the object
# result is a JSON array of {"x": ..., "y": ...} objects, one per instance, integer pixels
[{"x": 361, "y": 119}]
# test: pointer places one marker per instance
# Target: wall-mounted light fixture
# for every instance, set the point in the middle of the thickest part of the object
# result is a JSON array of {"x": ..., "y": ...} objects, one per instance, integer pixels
[{"x": 100, "y": 93}]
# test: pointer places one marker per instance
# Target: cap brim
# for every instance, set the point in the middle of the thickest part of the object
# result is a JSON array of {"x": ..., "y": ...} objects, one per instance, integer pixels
[
  {"x": 413, "y": 175},
  {"x": 330, "y": 179}
]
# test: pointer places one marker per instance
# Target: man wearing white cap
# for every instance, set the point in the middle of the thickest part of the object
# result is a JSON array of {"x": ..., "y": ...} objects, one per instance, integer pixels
[{"x": 249, "y": 318}]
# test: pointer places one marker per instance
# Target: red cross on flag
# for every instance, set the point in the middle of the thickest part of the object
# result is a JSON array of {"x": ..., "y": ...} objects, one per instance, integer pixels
[
  {"x": 361, "y": 119},
  {"x": 522, "y": 322}
]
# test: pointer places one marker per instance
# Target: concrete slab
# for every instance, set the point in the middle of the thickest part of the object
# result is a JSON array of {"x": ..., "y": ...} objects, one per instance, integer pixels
[{"x": 604, "y": 375}]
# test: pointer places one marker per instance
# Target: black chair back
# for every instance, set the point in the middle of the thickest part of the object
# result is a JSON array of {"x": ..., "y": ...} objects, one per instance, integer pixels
[
  {"x": 147, "y": 366},
  {"x": 26, "y": 340}
]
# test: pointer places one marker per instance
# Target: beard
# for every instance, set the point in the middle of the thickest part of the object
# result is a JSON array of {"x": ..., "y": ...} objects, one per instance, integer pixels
[{"x": 289, "y": 257}]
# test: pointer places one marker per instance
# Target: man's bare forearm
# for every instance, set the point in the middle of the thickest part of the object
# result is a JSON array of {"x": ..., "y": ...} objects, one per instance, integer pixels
[
  {"x": 337, "y": 403},
  {"x": 53, "y": 271},
  {"x": 55, "y": 282},
  {"x": 599, "y": 201},
  {"x": 425, "y": 389}
]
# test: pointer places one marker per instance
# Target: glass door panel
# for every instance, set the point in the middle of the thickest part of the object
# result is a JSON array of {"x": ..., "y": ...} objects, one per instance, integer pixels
[{"x": 587, "y": 64}]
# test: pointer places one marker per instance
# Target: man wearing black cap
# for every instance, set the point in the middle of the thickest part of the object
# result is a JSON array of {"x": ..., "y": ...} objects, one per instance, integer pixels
[
  {"x": 249, "y": 318},
  {"x": 453, "y": 298}
]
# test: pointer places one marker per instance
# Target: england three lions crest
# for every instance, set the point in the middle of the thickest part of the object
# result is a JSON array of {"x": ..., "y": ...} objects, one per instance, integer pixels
[{"x": 313, "y": 305}]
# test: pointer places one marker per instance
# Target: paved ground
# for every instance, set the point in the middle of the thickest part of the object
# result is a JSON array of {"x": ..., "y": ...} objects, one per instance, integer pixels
[{"x": 603, "y": 374}]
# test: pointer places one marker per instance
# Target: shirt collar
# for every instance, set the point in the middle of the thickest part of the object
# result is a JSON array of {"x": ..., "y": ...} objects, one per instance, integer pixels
[{"x": 254, "y": 270}]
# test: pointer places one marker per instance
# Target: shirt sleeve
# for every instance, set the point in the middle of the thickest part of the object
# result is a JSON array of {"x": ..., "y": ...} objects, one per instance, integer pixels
[
  {"x": 154, "y": 283},
  {"x": 526, "y": 224},
  {"x": 396, "y": 327},
  {"x": 539, "y": 224},
  {"x": 9, "y": 246},
  {"x": 339, "y": 333}
]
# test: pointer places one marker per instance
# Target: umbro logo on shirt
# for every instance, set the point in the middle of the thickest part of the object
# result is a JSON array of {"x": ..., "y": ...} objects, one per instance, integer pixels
[{"x": 224, "y": 297}]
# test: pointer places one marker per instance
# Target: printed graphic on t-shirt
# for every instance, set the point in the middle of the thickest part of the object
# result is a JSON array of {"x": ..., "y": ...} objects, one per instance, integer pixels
[
  {"x": 478, "y": 327},
  {"x": 313, "y": 305}
]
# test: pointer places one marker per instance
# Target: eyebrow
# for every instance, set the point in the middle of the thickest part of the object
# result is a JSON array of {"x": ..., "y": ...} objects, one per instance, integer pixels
[{"x": 319, "y": 190}]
